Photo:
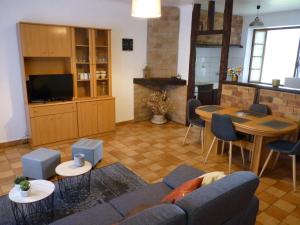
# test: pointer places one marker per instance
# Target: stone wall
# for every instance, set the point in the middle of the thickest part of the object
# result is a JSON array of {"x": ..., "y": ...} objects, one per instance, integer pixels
[
  {"x": 162, "y": 49},
  {"x": 236, "y": 29},
  {"x": 177, "y": 95},
  {"x": 281, "y": 103},
  {"x": 237, "y": 96}
]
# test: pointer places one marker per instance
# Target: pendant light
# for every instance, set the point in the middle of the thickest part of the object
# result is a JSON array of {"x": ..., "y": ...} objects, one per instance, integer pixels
[
  {"x": 257, "y": 22},
  {"x": 146, "y": 8}
]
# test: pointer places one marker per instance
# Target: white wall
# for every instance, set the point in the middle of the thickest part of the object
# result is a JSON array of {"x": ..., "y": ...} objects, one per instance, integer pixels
[
  {"x": 290, "y": 18},
  {"x": 96, "y": 13},
  {"x": 184, "y": 41}
]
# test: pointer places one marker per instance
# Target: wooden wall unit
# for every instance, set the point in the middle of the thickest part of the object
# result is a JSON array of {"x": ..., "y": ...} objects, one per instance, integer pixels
[{"x": 59, "y": 49}]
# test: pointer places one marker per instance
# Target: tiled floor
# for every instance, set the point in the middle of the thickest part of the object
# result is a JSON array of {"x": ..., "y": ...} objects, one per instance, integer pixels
[{"x": 152, "y": 151}]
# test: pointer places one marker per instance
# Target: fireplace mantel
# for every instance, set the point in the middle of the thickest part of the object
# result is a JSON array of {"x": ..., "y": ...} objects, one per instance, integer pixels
[{"x": 160, "y": 82}]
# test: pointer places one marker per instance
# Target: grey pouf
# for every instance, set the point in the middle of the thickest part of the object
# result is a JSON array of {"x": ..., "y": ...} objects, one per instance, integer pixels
[
  {"x": 92, "y": 150},
  {"x": 40, "y": 163}
]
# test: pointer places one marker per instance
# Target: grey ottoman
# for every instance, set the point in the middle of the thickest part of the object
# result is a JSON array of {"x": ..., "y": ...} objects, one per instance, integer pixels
[
  {"x": 92, "y": 149},
  {"x": 41, "y": 163}
]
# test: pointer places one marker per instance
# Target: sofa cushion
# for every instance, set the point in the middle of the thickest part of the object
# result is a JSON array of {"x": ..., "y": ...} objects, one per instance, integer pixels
[
  {"x": 180, "y": 175},
  {"x": 148, "y": 195},
  {"x": 164, "y": 214},
  {"x": 184, "y": 189},
  {"x": 225, "y": 198},
  {"x": 103, "y": 214}
]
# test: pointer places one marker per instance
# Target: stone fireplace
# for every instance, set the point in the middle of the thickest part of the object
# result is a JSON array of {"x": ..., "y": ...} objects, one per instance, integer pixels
[
  {"x": 176, "y": 91},
  {"x": 162, "y": 57}
]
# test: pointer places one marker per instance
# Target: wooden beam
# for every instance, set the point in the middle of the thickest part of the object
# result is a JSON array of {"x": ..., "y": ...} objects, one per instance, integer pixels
[
  {"x": 211, "y": 15},
  {"x": 209, "y": 32},
  {"x": 225, "y": 42},
  {"x": 192, "y": 64}
]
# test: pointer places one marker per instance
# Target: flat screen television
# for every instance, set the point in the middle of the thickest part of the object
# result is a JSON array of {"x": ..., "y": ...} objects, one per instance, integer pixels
[{"x": 54, "y": 87}]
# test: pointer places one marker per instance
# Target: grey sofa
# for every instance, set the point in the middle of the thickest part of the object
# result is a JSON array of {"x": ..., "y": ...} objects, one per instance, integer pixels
[{"x": 229, "y": 201}]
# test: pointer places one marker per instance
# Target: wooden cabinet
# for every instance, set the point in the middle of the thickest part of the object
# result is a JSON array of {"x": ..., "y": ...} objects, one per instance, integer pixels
[
  {"x": 87, "y": 118},
  {"x": 34, "y": 40},
  {"x": 106, "y": 115},
  {"x": 59, "y": 41},
  {"x": 86, "y": 54},
  {"x": 45, "y": 41},
  {"x": 96, "y": 117},
  {"x": 53, "y": 123},
  {"x": 92, "y": 62}
]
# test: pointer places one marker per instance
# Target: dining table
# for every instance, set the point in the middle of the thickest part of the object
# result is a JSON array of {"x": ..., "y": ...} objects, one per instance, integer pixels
[{"x": 263, "y": 128}]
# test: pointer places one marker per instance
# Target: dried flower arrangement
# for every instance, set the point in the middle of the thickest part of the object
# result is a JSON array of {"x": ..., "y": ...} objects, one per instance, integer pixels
[{"x": 158, "y": 102}]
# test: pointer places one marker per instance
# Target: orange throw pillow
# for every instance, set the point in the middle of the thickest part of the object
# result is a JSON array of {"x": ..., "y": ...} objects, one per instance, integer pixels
[{"x": 183, "y": 190}]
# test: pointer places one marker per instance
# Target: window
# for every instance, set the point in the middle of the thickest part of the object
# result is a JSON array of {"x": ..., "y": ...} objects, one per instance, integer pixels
[{"x": 275, "y": 55}]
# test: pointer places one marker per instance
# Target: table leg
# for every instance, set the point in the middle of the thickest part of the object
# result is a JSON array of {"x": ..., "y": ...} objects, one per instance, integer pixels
[{"x": 256, "y": 154}]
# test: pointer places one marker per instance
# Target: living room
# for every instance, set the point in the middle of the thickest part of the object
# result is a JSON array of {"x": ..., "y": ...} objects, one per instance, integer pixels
[{"x": 149, "y": 112}]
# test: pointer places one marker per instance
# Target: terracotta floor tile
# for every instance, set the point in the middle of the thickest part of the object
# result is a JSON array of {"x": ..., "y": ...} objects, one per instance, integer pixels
[{"x": 153, "y": 151}]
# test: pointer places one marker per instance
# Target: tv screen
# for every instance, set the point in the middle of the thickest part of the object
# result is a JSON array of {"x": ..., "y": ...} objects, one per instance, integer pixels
[{"x": 52, "y": 87}]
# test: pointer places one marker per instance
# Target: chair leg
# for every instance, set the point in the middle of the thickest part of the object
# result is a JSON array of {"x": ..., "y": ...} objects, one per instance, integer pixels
[
  {"x": 294, "y": 172},
  {"x": 223, "y": 146},
  {"x": 230, "y": 156},
  {"x": 210, "y": 148},
  {"x": 276, "y": 160},
  {"x": 266, "y": 163},
  {"x": 250, "y": 156},
  {"x": 202, "y": 139},
  {"x": 242, "y": 152},
  {"x": 186, "y": 134}
]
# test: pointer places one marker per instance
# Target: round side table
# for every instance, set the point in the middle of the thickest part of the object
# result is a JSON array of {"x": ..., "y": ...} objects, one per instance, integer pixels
[
  {"x": 35, "y": 208},
  {"x": 74, "y": 182}
]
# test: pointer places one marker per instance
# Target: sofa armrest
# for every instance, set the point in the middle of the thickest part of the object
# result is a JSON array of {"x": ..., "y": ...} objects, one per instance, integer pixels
[
  {"x": 180, "y": 175},
  {"x": 164, "y": 214}
]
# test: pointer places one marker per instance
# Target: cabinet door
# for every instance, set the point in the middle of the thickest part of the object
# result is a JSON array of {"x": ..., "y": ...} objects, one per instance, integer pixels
[
  {"x": 59, "y": 41},
  {"x": 43, "y": 130},
  {"x": 66, "y": 126},
  {"x": 87, "y": 118},
  {"x": 106, "y": 115},
  {"x": 34, "y": 39}
]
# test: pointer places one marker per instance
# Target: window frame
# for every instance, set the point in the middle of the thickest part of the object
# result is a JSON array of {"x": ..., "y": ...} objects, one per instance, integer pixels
[{"x": 297, "y": 60}]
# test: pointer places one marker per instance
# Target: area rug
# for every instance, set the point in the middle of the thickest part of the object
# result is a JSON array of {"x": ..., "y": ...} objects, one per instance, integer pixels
[{"x": 106, "y": 183}]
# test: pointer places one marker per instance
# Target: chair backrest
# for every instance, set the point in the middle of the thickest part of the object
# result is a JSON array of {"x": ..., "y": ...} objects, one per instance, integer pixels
[
  {"x": 192, "y": 105},
  {"x": 221, "y": 201},
  {"x": 259, "y": 108},
  {"x": 296, "y": 149},
  {"x": 223, "y": 128}
]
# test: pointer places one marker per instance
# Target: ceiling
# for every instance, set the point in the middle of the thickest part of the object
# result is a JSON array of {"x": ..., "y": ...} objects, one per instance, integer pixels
[{"x": 241, "y": 7}]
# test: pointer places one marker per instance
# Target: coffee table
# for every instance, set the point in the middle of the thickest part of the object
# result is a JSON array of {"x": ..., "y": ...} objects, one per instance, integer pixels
[
  {"x": 35, "y": 208},
  {"x": 74, "y": 182}
]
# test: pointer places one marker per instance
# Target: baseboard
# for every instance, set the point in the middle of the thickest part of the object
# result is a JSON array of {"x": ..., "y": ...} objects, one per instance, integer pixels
[
  {"x": 125, "y": 122},
  {"x": 13, "y": 143}
]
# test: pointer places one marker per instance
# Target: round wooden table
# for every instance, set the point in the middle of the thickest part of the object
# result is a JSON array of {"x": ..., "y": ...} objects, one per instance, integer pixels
[
  {"x": 74, "y": 182},
  {"x": 263, "y": 127},
  {"x": 34, "y": 208}
]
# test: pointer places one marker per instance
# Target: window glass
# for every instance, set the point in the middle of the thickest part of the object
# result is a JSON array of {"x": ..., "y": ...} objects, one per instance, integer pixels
[
  {"x": 255, "y": 75},
  {"x": 258, "y": 50},
  {"x": 256, "y": 62},
  {"x": 260, "y": 37}
]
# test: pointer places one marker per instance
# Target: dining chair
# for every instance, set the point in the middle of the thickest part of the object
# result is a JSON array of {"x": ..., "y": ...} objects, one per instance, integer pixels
[
  {"x": 194, "y": 119},
  {"x": 259, "y": 108},
  {"x": 223, "y": 130},
  {"x": 285, "y": 147}
]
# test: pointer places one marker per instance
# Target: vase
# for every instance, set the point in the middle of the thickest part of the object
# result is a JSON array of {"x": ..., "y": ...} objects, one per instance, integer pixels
[
  {"x": 234, "y": 78},
  {"x": 17, "y": 186},
  {"x": 79, "y": 160},
  {"x": 158, "y": 119},
  {"x": 25, "y": 193}
]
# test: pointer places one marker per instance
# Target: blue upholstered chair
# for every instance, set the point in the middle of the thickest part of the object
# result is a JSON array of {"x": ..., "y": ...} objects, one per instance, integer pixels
[
  {"x": 194, "y": 119},
  {"x": 259, "y": 108},
  {"x": 223, "y": 130},
  {"x": 285, "y": 147}
]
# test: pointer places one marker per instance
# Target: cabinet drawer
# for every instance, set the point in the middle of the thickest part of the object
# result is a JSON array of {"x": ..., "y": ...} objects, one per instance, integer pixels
[{"x": 52, "y": 109}]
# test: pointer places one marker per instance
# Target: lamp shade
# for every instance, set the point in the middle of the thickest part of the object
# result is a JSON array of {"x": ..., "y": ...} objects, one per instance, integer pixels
[{"x": 146, "y": 8}]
